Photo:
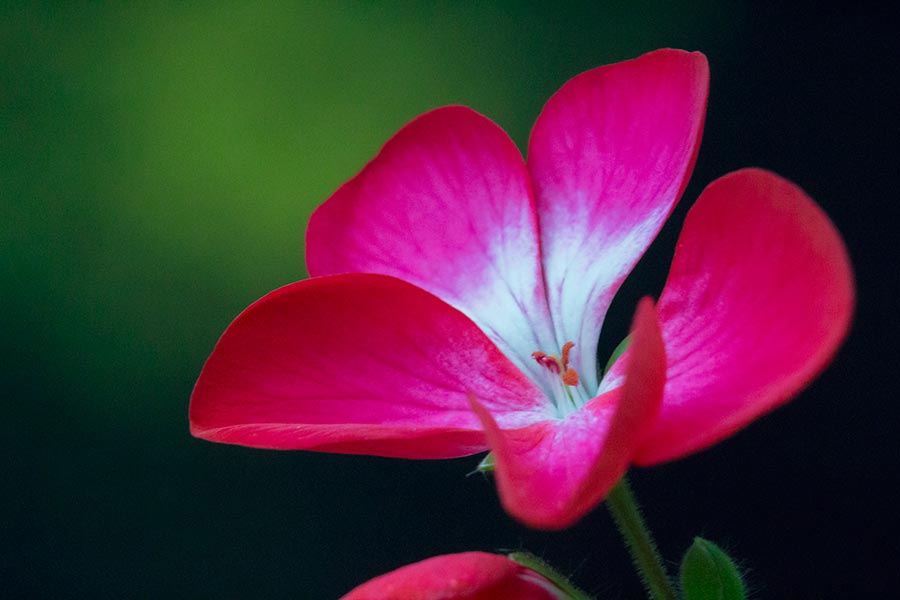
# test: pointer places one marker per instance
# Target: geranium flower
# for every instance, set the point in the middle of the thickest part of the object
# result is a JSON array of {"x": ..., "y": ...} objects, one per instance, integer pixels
[
  {"x": 458, "y": 294},
  {"x": 466, "y": 576}
]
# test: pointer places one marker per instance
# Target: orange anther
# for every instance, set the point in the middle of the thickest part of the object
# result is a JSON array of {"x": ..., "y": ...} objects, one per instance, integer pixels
[
  {"x": 570, "y": 377},
  {"x": 547, "y": 361},
  {"x": 567, "y": 347}
]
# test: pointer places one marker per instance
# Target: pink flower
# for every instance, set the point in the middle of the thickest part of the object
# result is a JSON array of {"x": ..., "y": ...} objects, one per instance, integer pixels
[
  {"x": 466, "y": 576},
  {"x": 458, "y": 295}
]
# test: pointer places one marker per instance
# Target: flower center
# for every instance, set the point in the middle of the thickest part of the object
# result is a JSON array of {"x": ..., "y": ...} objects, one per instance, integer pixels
[{"x": 564, "y": 379}]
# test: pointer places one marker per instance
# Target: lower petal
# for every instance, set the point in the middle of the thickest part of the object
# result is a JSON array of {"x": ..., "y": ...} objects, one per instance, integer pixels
[{"x": 551, "y": 474}]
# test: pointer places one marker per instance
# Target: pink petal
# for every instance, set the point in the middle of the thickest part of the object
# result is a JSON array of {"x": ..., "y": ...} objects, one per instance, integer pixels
[
  {"x": 610, "y": 155},
  {"x": 551, "y": 474},
  {"x": 446, "y": 205},
  {"x": 465, "y": 576},
  {"x": 759, "y": 298},
  {"x": 357, "y": 364}
]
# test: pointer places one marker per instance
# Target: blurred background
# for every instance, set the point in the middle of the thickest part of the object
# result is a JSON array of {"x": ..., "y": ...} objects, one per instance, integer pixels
[{"x": 158, "y": 164}]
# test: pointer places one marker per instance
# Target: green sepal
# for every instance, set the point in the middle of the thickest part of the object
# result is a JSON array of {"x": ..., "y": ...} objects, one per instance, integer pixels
[
  {"x": 707, "y": 573},
  {"x": 487, "y": 464},
  {"x": 619, "y": 351},
  {"x": 530, "y": 561}
]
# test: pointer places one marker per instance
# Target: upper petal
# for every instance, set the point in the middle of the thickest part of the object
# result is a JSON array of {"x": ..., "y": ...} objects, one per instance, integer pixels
[
  {"x": 357, "y": 364},
  {"x": 609, "y": 156},
  {"x": 551, "y": 474},
  {"x": 759, "y": 297},
  {"x": 446, "y": 205},
  {"x": 465, "y": 576}
]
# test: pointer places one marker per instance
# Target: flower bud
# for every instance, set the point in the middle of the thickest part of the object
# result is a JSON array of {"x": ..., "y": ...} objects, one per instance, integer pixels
[{"x": 466, "y": 576}]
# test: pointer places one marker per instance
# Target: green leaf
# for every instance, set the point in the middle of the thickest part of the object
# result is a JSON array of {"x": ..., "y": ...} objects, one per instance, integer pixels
[{"x": 707, "y": 573}]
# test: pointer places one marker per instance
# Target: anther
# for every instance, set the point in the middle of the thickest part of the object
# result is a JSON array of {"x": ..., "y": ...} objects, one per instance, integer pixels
[
  {"x": 551, "y": 363},
  {"x": 570, "y": 377},
  {"x": 559, "y": 366},
  {"x": 567, "y": 347}
]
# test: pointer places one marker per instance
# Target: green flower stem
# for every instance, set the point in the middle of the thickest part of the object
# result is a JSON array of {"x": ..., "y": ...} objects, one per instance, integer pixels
[{"x": 646, "y": 558}]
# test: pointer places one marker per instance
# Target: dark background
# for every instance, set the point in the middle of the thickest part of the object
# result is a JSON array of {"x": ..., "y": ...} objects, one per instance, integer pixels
[{"x": 158, "y": 165}]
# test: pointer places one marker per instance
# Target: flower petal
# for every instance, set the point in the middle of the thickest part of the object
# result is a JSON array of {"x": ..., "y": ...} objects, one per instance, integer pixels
[
  {"x": 551, "y": 474},
  {"x": 610, "y": 155},
  {"x": 446, "y": 205},
  {"x": 465, "y": 576},
  {"x": 357, "y": 364},
  {"x": 759, "y": 298}
]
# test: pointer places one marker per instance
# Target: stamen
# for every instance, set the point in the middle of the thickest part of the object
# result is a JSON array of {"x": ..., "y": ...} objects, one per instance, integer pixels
[
  {"x": 567, "y": 347},
  {"x": 559, "y": 366},
  {"x": 564, "y": 390},
  {"x": 551, "y": 363}
]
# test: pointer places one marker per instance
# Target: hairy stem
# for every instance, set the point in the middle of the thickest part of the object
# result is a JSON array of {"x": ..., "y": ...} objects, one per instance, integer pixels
[{"x": 644, "y": 555}]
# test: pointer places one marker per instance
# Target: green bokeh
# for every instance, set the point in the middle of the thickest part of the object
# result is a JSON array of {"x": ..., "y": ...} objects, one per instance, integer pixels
[{"x": 159, "y": 164}]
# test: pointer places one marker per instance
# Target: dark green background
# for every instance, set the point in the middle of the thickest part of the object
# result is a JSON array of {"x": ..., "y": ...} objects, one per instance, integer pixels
[{"x": 158, "y": 164}]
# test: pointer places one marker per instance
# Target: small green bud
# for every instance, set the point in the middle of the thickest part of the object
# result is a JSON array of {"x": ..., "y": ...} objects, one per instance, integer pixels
[{"x": 707, "y": 573}]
